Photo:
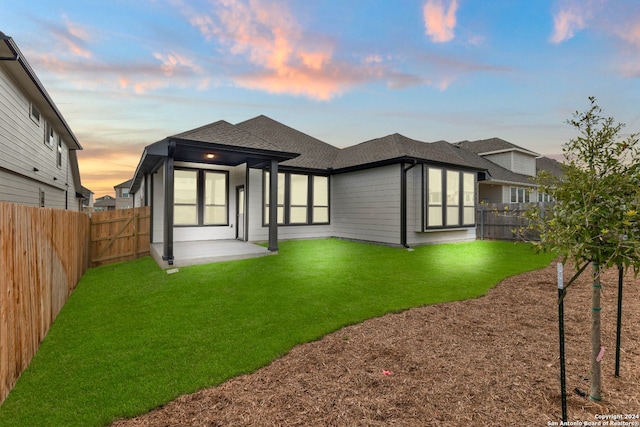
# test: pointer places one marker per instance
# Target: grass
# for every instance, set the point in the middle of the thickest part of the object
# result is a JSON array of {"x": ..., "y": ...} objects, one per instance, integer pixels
[{"x": 132, "y": 337}]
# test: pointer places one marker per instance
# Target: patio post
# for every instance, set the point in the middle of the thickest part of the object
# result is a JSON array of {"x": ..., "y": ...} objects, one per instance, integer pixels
[
  {"x": 273, "y": 206},
  {"x": 168, "y": 204}
]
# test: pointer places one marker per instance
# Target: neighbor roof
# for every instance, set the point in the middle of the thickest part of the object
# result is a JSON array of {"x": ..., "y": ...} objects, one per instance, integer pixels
[
  {"x": 552, "y": 166},
  {"x": 125, "y": 184},
  {"x": 491, "y": 146}
]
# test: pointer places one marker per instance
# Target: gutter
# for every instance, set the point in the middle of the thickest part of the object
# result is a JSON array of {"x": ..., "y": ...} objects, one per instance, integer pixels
[{"x": 7, "y": 40}]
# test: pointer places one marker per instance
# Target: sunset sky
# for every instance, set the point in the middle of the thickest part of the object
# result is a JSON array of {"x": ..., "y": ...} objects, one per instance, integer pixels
[{"x": 127, "y": 73}]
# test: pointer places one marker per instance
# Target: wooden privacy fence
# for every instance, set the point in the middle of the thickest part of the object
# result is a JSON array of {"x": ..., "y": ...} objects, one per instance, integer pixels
[
  {"x": 119, "y": 235},
  {"x": 496, "y": 221},
  {"x": 43, "y": 255}
]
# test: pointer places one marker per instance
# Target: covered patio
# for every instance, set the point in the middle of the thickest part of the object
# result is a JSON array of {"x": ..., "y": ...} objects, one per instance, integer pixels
[
  {"x": 208, "y": 251},
  {"x": 202, "y": 149}
]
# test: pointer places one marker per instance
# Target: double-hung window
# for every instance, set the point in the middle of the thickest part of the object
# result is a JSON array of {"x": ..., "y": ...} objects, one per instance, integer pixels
[
  {"x": 200, "y": 197},
  {"x": 450, "y": 198},
  {"x": 302, "y": 199},
  {"x": 520, "y": 195}
]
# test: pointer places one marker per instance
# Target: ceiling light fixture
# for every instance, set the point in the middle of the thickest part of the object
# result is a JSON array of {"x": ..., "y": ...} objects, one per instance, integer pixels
[{"x": 210, "y": 156}]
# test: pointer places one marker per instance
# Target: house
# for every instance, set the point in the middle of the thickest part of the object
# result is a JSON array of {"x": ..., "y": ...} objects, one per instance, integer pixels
[
  {"x": 510, "y": 171},
  {"x": 124, "y": 200},
  {"x": 223, "y": 182},
  {"x": 87, "y": 200},
  {"x": 104, "y": 203},
  {"x": 38, "y": 161}
]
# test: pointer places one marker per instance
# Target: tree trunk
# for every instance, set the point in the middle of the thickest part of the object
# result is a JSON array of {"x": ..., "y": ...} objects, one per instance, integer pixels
[{"x": 596, "y": 377}]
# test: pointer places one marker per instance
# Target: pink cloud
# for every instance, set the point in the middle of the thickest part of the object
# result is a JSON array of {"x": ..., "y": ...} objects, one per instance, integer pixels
[
  {"x": 440, "y": 20},
  {"x": 73, "y": 37},
  {"x": 269, "y": 37},
  {"x": 572, "y": 16},
  {"x": 566, "y": 22},
  {"x": 630, "y": 33},
  {"x": 174, "y": 63}
]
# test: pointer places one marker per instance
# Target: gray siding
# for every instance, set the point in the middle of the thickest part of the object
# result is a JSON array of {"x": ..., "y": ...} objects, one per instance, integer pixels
[
  {"x": 524, "y": 164},
  {"x": 22, "y": 150},
  {"x": 501, "y": 159},
  {"x": 157, "y": 211},
  {"x": 365, "y": 205}
]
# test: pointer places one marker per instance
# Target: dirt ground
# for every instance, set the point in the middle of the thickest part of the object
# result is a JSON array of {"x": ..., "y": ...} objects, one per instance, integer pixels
[{"x": 491, "y": 361}]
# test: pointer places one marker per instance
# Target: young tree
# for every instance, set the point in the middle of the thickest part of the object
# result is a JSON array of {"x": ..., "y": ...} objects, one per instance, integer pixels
[{"x": 596, "y": 214}]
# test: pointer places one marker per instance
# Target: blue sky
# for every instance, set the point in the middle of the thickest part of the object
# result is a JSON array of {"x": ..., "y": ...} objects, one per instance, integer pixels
[{"x": 127, "y": 73}]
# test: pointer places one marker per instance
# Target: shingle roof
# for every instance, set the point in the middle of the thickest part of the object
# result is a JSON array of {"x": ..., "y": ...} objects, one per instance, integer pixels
[
  {"x": 552, "y": 166},
  {"x": 125, "y": 184},
  {"x": 264, "y": 133},
  {"x": 224, "y": 133},
  {"x": 314, "y": 153},
  {"x": 398, "y": 146},
  {"x": 482, "y": 146}
]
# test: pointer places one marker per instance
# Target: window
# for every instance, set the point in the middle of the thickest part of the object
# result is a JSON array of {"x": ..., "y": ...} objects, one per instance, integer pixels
[
  {"x": 185, "y": 209},
  {"x": 215, "y": 198},
  {"x": 34, "y": 113},
  {"x": 48, "y": 134},
  {"x": 542, "y": 197},
  {"x": 453, "y": 198},
  {"x": 125, "y": 193},
  {"x": 434, "y": 209},
  {"x": 450, "y": 198},
  {"x": 59, "y": 152},
  {"x": 280, "y": 201},
  {"x": 302, "y": 199},
  {"x": 469, "y": 201},
  {"x": 200, "y": 197},
  {"x": 520, "y": 195},
  {"x": 320, "y": 199}
]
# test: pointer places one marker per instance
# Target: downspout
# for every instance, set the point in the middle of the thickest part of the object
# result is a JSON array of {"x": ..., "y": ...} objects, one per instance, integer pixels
[
  {"x": 168, "y": 204},
  {"x": 403, "y": 203}
]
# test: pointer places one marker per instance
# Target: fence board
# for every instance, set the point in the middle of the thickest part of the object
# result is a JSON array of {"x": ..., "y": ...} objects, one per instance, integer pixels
[
  {"x": 494, "y": 222},
  {"x": 120, "y": 235},
  {"x": 43, "y": 254}
]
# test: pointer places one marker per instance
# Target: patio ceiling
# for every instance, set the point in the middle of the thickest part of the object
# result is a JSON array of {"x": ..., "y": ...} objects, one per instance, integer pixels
[{"x": 205, "y": 153}]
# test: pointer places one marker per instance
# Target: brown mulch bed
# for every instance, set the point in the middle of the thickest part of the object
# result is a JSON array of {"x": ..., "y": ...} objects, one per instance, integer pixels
[{"x": 489, "y": 361}]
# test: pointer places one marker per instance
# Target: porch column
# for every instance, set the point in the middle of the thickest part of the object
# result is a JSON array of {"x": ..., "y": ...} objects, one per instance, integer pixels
[
  {"x": 168, "y": 204},
  {"x": 273, "y": 206}
]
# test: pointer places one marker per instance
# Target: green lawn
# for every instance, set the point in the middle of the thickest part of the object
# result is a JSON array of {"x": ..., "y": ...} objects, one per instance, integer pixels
[{"x": 133, "y": 337}]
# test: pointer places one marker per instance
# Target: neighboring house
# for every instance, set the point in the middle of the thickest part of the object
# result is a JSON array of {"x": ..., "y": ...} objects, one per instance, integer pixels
[
  {"x": 224, "y": 181},
  {"x": 551, "y": 166},
  {"x": 38, "y": 162},
  {"x": 510, "y": 171},
  {"x": 124, "y": 199},
  {"x": 104, "y": 203},
  {"x": 87, "y": 200}
]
